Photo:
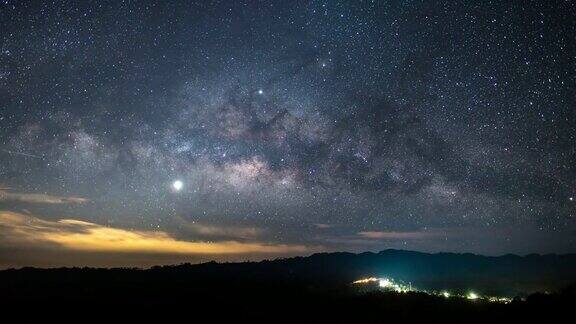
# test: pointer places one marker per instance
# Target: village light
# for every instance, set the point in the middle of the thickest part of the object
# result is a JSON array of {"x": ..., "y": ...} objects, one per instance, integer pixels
[{"x": 472, "y": 296}]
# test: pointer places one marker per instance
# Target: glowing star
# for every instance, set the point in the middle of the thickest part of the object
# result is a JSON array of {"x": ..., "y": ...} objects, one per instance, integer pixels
[
  {"x": 177, "y": 185},
  {"x": 260, "y": 92}
]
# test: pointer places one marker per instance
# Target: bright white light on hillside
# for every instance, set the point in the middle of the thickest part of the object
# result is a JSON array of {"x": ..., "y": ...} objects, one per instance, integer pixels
[
  {"x": 385, "y": 283},
  {"x": 472, "y": 296},
  {"x": 446, "y": 294}
]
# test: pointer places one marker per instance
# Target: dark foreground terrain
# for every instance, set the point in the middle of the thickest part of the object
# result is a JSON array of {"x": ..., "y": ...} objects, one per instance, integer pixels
[{"x": 315, "y": 289}]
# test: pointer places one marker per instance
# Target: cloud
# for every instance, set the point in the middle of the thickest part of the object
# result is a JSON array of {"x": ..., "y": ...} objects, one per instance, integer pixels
[
  {"x": 378, "y": 235},
  {"x": 218, "y": 232},
  {"x": 38, "y": 198},
  {"x": 69, "y": 234},
  {"x": 229, "y": 232},
  {"x": 323, "y": 226}
]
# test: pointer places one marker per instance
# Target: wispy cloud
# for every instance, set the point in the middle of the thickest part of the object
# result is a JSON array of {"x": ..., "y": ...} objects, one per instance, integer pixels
[
  {"x": 219, "y": 232},
  {"x": 323, "y": 226},
  {"x": 69, "y": 234},
  {"x": 33, "y": 198},
  {"x": 381, "y": 235}
]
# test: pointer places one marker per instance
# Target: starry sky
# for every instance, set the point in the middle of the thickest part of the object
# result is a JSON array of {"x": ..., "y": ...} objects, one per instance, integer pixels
[{"x": 136, "y": 133}]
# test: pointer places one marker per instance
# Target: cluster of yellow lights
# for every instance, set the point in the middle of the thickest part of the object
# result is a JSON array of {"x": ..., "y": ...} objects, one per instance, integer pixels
[{"x": 366, "y": 280}]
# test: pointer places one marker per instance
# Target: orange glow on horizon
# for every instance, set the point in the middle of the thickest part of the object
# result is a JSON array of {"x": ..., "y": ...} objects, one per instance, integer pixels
[{"x": 78, "y": 235}]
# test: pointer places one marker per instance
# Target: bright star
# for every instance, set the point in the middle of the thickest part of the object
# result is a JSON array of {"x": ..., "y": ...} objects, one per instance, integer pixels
[
  {"x": 177, "y": 185},
  {"x": 260, "y": 91}
]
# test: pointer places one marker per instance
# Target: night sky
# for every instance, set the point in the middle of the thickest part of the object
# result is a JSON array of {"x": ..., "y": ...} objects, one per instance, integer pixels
[{"x": 136, "y": 133}]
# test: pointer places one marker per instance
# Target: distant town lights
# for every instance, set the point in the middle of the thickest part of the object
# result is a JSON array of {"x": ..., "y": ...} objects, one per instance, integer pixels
[{"x": 390, "y": 284}]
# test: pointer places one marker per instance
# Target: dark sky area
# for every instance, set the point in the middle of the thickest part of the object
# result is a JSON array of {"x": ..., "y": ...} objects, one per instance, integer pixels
[{"x": 140, "y": 132}]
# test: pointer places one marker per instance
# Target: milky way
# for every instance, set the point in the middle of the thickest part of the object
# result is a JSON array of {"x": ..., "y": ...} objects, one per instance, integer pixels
[{"x": 315, "y": 126}]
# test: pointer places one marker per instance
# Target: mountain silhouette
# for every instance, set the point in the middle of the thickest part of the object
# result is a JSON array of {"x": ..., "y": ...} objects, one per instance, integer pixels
[{"x": 312, "y": 289}]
